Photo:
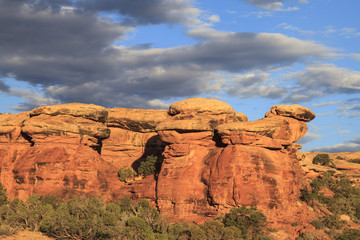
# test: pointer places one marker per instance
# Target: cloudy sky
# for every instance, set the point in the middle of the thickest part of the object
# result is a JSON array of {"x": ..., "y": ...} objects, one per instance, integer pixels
[{"x": 252, "y": 54}]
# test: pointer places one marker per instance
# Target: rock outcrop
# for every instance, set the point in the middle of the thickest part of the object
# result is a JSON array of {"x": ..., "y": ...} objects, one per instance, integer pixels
[
  {"x": 344, "y": 163},
  {"x": 212, "y": 158}
]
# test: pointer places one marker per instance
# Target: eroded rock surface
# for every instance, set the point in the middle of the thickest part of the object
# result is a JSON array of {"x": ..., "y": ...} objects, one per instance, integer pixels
[{"x": 213, "y": 159}]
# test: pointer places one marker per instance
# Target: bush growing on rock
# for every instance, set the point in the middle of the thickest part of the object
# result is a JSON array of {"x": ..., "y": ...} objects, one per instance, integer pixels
[
  {"x": 356, "y": 160},
  {"x": 3, "y": 195},
  {"x": 323, "y": 159},
  {"x": 248, "y": 220},
  {"x": 345, "y": 199},
  {"x": 125, "y": 174},
  {"x": 91, "y": 218},
  {"x": 149, "y": 166}
]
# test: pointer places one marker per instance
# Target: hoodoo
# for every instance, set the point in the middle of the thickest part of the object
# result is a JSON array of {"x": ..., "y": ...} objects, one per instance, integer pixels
[{"x": 210, "y": 158}]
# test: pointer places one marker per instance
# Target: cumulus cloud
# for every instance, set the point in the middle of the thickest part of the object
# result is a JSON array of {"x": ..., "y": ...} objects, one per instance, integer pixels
[
  {"x": 274, "y": 5},
  {"x": 326, "y": 103},
  {"x": 208, "y": 33},
  {"x": 4, "y": 87},
  {"x": 355, "y": 140},
  {"x": 320, "y": 79},
  {"x": 254, "y": 84},
  {"x": 139, "y": 12},
  {"x": 70, "y": 54},
  {"x": 352, "y": 147},
  {"x": 309, "y": 136},
  {"x": 287, "y": 26},
  {"x": 32, "y": 99}
]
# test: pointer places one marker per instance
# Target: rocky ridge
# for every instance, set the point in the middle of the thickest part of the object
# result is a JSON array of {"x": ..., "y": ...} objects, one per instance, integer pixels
[{"x": 213, "y": 159}]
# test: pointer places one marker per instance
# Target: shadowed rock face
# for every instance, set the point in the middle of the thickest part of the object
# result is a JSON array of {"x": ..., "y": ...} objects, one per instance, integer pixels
[{"x": 212, "y": 157}]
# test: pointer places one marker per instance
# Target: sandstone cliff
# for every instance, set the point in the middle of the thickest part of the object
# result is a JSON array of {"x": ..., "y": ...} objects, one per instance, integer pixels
[{"x": 212, "y": 158}]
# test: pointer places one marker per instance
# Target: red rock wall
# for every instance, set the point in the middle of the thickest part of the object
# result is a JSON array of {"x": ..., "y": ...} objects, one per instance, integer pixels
[{"x": 212, "y": 158}]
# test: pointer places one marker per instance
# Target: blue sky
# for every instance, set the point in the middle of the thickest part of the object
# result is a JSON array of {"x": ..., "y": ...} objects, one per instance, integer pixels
[{"x": 252, "y": 54}]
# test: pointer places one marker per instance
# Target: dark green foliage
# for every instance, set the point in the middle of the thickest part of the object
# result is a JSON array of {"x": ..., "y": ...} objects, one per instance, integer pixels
[
  {"x": 356, "y": 160},
  {"x": 217, "y": 230},
  {"x": 318, "y": 224},
  {"x": 92, "y": 218},
  {"x": 53, "y": 200},
  {"x": 6, "y": 230},
  {"x": 248, "y": 220},
  {"x": 353, "y": 234},
  {"x": 149, "y": 166},
  {"x": 3, "y": 195},
  {"x": 323, "y": 159},
  {"x": 333, "y": 222},
  {"x": 125, "y": 174},
  {"x": 307, "y": 236},
  {"x": 137, "y": 229},
  {"x": 346, "y": 199}
]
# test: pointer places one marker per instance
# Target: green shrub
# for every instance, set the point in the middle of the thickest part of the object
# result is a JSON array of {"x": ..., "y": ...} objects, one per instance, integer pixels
[
  {"x": 6, "y": 230},
  {"x": 346, "y": 196},
  {"x": 307, "y": 236},
  {"x": 149, "y": 166},
  {"x": 138, "y": 229},
  {"x": 248, "y": 220},
  {"x": 323, "y": 159},
  {"x": 318, "y": 224},
  {"x": 349, "y": 234},
  {"x": 125, "y": 173},
  {"x": 295, "y": 224},
  {"x": 3, "y": 195},
  {"x": 356, "y": 160},
  {"x": 333, "y": 222}
]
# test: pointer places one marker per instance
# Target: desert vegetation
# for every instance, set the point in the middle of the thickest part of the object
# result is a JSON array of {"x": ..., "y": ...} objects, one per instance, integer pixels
[
  {"x": 149, "y": 166},
  {"x": 93, "y": 218},
  {"x": 324, "y": 160},
  {"x": 341, "y": 198}
]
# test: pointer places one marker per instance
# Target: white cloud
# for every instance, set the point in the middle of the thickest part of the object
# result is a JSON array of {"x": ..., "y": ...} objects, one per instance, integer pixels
[
  {"x": 157, "y": 103},
  {"x": 351, "y": 147},
  {"x": 273, "y": 5},
  {"x": 214, "y": 18},
  {"x": 259, "y": 14},
  {"x": 309, "y": 136},
  {"x": 326, "y": 103},
  {"x": 32, "y": 99},
  {"x": 208, "y": 33},
  {"x": 327, "y": 78},
  {"x": 287, "y": 26}
]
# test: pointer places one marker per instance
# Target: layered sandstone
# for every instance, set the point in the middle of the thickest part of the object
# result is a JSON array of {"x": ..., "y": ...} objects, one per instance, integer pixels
[
  {"x": 343, "y": 164},
  {"x": 212, "y": 158}
]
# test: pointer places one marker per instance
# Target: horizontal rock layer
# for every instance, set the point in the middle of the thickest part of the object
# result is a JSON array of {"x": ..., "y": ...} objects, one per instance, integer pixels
[{"x": 212, "y": 157}]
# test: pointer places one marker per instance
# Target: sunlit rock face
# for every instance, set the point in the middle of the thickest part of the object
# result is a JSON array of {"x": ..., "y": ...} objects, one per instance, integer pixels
[{"x": 212, "y": 158}]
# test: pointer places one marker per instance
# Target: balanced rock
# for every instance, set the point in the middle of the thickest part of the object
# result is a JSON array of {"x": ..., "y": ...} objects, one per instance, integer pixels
[
  {"x": 200, "y": 106},
  {"x": 296, "y": 111}
]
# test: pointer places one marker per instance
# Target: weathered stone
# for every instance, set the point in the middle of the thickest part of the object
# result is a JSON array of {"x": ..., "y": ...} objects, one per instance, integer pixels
[
  {"x": 273, "y": 133},
  {"x": 242, "y": 117},
  {"x": 200, "y": 106},
  {"x": 88, "y": 111},
  {"x": 136, "y": 120},
  {"x": 295, "y": 111}
]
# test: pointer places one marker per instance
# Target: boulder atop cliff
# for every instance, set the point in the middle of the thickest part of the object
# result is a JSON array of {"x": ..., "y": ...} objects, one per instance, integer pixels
[
  {"x": 88, "y": 111},
  {"x": 295, "y": 111},
  {"x": 138, "y": 120},
  {"x": 200, "y": 106}
]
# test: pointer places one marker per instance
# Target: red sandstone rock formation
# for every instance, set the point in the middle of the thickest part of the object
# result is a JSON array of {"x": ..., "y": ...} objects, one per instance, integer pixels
[{"x": 213, "y": 158}]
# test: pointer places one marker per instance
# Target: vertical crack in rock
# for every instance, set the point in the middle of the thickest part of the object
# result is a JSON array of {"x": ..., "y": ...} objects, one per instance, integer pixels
[{"x": 28, "y": 138}]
